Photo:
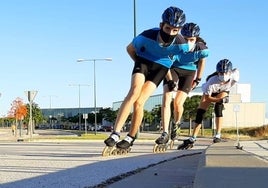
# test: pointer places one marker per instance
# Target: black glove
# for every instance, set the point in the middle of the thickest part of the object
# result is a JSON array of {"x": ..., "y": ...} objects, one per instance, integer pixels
[
  {"x": 171, "y": 85},
  {"x": 225, "y": 99},
  {"x": 196, "y": 81}
]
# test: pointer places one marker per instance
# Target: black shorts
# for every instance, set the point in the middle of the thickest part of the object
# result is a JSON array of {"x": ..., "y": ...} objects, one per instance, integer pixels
[
  {"x": 152, "y": 71},
  {"x": 183, "y": 77}
]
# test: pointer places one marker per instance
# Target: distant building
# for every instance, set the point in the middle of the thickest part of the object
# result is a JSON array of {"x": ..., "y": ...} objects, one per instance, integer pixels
[
  {"x": 67, "y": 112},
  {"x": 238, "y": 112}
]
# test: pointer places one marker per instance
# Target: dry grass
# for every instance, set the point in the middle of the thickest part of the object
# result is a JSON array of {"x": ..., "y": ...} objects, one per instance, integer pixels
[{"x": 250, "y": 133}]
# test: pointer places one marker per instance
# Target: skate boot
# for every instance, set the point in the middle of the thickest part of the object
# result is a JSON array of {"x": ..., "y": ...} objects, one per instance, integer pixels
[
  {"x": 163, "y": 139},
  {"x": 187, "y": 144},
  {"x": 112, "y": 139},
  {"x": 175, "y": 132},
  {"x": 124, "y": 146},
  {"x": 216, "y": 140},
  {"x": 161, "y": 143},
  {"x": 110, "y": 144}
]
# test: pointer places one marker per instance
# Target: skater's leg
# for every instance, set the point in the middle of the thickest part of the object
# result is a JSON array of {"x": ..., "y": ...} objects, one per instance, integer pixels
[
  {"x": 201, "y": 110},
  {"x": 175, "y": 130},
  {"x": 136, "y": 86},
  {"x": 137, "y": 115},
  {"x": 166, "y": 109},
  {"x": 134, "y": 92},
  {"x": 138, "y": 107},
  {"x": 178, "y": 111},
  {"x": 198, "y": 120},
  {"x": 178, "y": 105},
  {"x": 218, "y": 121}
]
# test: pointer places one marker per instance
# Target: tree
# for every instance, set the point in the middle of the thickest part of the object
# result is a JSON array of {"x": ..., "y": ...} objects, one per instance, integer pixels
[
  {"x": 108, "y": 114},
  {"x": 18, "y": 110},
  {"x": 190, "y": 108},
  {"x": 36, "y": 114},
  {"x": 156, "y": 111}
]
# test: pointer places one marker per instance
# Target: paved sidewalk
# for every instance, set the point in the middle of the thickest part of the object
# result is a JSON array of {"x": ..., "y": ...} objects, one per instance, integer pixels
[
  {"x": 213, "y": 165},
  {"x": 222, "y": 165}
]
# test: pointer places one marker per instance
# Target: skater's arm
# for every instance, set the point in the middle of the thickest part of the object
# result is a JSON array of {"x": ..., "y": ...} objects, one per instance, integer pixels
[
  {"x": 169, "y": 75},
  {"x": 217, "y": 98},
  {"x": 201, "y": 67},
  {"x": 132, "y": 52}
]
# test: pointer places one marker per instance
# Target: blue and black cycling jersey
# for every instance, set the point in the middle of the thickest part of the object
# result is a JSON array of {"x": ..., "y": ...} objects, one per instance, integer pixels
[
  {"x": 188, "y": 60},
  {"x": 148, "y": 47}
]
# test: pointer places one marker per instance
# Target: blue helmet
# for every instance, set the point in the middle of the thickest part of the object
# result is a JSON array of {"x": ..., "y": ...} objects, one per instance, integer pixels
[
  {"x": 190, "y": 30},
  {"x": 173, "y": 16},
  {"x": 224, "y": 66}
]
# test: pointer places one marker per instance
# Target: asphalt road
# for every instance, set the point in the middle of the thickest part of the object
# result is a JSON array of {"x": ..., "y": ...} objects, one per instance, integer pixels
[{"x": 78, "y": 164}]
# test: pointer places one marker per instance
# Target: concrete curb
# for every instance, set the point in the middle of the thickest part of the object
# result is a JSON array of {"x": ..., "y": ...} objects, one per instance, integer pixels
[{"x": 222, "y": 165}]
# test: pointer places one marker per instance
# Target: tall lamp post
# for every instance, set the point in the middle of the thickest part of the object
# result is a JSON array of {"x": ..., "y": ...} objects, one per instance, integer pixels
[
  {"x": 134, "y": 16},
  {"x": 95, "y": 97},
  {"x": 79, "y": 103}
]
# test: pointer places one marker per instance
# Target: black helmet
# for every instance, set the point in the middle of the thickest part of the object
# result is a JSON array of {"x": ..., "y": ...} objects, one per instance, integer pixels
[
  {"x": 224, "y": 66},
  {"x": 190, "y": 30},
  {"x": 173, "y": 16}
]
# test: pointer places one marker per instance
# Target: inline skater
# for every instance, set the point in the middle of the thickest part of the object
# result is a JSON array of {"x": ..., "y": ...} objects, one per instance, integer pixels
[
  {"x": 215, "y": 90},
  {"x": 153, "y": 52},
  {"x": 185, "y": 75}
]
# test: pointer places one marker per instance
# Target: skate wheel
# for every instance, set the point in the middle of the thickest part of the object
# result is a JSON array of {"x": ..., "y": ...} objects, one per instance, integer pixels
[
  {"x": 166, "y": 147},
  {"x": 180, "y": 147},
  {"x": 125, "y": 151},
  {"x": 189, "y": 146},
  {"x": 155, "y": 149},
  {"x": 119, "y": 151},
  {"x": 106, "y": 151},
  {"x": 171, "y": 144},
  {"x": 160, "y": 149},
  {"x": 113, "y": 152}
]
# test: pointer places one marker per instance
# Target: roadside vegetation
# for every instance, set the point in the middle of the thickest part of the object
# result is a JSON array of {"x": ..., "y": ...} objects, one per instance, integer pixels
[
  {"x": 252, "y": 133},
  {"x": 249, "y": 133},
  {"x": 19, "y": 116}
]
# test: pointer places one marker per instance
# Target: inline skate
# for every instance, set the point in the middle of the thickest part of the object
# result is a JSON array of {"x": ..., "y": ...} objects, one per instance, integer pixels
[
  {"x": 187, "y": 144},
  {"x": 161, "y": 143}
]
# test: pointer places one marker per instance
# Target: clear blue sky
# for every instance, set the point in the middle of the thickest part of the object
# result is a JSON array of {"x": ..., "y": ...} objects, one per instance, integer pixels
[{"x": 41, "y": 41}]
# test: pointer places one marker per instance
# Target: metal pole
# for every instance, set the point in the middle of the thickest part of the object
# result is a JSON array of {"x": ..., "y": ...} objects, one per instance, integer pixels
[
  {"x": 134, "y": 13},
  {"x": 79, "y": 116},
  {"x": 31, "y": 120},
  {"x": 85, "y": 125},
  {"x": 237, "y": 133},
  {"x": 95, "y": 97},
  {"x": 95, "y": 84},
  {"x": 213, "y": 125},
  {"x": 79, "y": 103},
  {"x": 236, "y": 109}
]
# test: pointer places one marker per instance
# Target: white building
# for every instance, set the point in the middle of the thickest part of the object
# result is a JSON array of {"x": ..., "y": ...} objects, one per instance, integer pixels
[{"x": 240, "y": 111}]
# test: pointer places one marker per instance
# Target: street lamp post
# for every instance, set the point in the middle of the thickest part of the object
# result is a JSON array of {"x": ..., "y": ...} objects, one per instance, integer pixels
[
  {"x": 79, "y": 103},
  {"x": 95, "y": 97},
  {"x": 134, "y": 16}
]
